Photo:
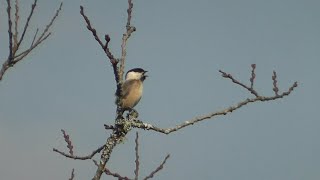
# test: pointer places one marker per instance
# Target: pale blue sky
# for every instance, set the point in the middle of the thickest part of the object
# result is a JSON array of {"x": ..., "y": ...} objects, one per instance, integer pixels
[{"x": 68, "y": 83}]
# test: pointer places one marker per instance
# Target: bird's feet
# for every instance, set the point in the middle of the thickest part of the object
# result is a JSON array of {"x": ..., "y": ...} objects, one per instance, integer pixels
[{"x": 132, "y": 114}]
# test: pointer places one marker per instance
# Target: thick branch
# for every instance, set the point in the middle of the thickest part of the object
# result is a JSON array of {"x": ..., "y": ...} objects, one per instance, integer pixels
[{"x": 105, "y": 156}]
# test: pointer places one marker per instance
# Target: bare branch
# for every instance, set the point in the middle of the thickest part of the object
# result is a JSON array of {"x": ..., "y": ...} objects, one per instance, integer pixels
[
  {"x": 95, "y": 35},
  {"x": 130, "y": 29},
  {"x": 129, "y": 11},
  {"x": 79, "y": 157},
  {"x": 13, "y": 57},
  {"x": 108, "y": 172},
  {"x": 22, "y": 55},
  {"x": 136, "y": 171},
  {"x": 105, "y": 47},
  {"x": 158, "y": 168}
]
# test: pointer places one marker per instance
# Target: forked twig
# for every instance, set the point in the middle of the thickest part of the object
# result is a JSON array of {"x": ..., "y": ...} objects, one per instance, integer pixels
[{"x": 250, "y": 89}]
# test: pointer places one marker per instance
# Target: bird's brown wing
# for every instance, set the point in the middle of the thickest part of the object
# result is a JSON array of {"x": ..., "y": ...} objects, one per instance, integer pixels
[{"x": 125, "y": 87}]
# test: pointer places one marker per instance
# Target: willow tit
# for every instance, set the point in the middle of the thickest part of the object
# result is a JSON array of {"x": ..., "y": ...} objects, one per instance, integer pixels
[{"x": 132, "y": 88}]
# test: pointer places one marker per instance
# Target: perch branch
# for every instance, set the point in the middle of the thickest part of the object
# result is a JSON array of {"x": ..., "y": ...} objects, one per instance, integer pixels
[{"x": 139, "y": 124}]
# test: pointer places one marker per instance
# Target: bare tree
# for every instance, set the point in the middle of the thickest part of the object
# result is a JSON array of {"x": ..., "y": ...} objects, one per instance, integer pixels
[
  {"x": 122, "y": 125},
  {"x": 17, "y": 54}
]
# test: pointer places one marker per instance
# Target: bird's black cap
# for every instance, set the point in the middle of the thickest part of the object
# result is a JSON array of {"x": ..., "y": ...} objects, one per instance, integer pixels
[{"x": 137, "y": 70}]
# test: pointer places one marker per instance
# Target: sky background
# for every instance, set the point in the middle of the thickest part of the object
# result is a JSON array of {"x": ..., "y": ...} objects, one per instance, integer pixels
[{"x": 67, "y": 83}]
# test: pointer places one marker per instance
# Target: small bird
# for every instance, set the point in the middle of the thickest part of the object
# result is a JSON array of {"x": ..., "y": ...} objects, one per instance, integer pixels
[{"x": 132, "y": 88}]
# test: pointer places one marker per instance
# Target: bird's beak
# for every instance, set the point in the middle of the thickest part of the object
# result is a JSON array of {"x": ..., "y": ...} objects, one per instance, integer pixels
[{"x": 144, "y": 75}]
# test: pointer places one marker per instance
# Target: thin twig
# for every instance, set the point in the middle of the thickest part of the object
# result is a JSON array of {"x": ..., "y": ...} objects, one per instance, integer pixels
[
  {"x": 34, "y": 37},
  {"x": 33, "y": 6},
  {"x": 136, "y": 171},
  {"x": 129, "y": 11},
  {"x": 68, "y": 141},
  {"x": 16, "y": 20},
  {"x": 108, "y": 172},
  {"x": 275, "y": 85},
  {"x": 72, "y": 175},
  {"x": 129, "y": 30},
  {"x": 44, "y": 35},
  {"x": 95, "y": 35},
  {"x": 158, "y": 168},
  {"x": 253, "y": 75},
  {"x": 105, "y": 47},
  {"x": 10, "y": 58},
  {"x": 50, "y": 23}
]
